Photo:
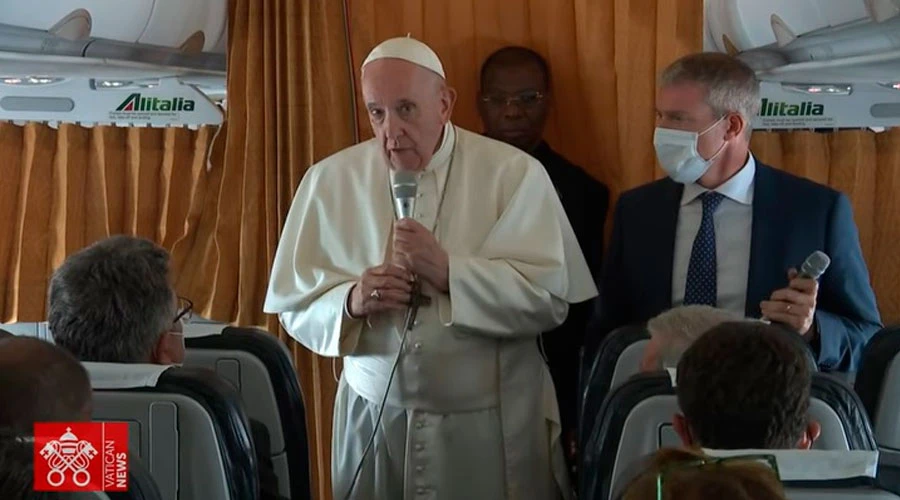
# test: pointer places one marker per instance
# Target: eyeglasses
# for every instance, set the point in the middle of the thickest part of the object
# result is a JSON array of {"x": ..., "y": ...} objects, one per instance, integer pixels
[
  {"x": 768, "y": 460},
  {"x": 185, "y": 310},
  {"x": 522, "y": 99}
]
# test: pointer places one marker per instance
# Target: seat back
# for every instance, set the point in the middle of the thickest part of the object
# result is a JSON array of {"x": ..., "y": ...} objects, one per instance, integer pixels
[
  {"x": 636, "y": 420},
  {"x": 259, "y": 366},
  {"x": 629, "y": 363},
  {"x": 141, "y": 485},
  {"x": 878, "y": 386},
  {"x": 600, "y": 369},
  {"x": 837, "y": 399},
  {"x": 618, "y": 358},
  {"x": 837, "y": 492},
  {"x": 823, "y": 474},
  {"x": 187, "y": 425},
  {"x": 838, "y": 489}
]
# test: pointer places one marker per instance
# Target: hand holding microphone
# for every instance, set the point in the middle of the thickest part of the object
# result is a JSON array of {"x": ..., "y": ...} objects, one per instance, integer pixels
[
  {"x": 414, "y": 246},
  {"x": 795, "y": 305},
  {"x": 381, "y": 288},
  {"x": 388, "y": 287}
]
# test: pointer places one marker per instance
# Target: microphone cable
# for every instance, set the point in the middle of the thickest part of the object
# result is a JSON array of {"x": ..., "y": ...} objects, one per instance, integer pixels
[{"x": 408, "y": 323}]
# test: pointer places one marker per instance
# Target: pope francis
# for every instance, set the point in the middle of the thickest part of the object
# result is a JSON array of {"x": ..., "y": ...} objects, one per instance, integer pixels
[{"x": 460, "y": 405}]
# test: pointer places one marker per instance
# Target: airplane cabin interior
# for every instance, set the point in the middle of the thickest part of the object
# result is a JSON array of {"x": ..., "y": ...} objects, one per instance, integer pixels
[{"x": 194, "y": 125}]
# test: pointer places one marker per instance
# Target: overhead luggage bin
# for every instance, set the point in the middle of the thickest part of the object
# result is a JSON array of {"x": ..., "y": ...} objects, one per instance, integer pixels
[{"x": 823, "y": 64}]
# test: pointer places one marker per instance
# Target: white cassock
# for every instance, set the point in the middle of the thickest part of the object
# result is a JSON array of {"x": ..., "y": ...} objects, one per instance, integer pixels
[{"x": 471, "y": 412}]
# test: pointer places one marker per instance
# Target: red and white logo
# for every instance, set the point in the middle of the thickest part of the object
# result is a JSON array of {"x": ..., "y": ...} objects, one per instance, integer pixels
[{"x": 81, "y": 456}]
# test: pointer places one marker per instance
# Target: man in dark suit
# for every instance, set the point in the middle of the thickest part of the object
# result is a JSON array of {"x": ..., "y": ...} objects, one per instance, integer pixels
[
  {"x": 725, "y": 230},
  {"x": 513, "y": 102}
]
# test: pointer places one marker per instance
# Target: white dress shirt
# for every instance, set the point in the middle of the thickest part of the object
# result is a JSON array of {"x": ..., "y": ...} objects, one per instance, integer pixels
[{"x": 733, "y": 221}]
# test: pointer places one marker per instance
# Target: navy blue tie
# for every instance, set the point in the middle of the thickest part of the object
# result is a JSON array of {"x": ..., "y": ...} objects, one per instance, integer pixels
[{"x": 700, "y": 287}]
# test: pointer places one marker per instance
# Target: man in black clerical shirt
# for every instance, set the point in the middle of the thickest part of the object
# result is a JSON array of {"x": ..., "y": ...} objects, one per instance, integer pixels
[{"x": 513, "y": 102}]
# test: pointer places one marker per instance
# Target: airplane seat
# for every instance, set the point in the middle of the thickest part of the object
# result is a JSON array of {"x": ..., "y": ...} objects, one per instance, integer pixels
[
  {"x": 619, "y": 358},
  {"x": 259, "y": 366},
  {"x": 833, "y": 400},
  {"x": 601, "y": 368},
  {"x": 141, "y": 485},
  {"x": 635, "y": 421},
  {"x": 188, "y": 425},
  {"x": 851, "y": 478},
  {"x": 878, "y": 386},
  {"x": 837, "y": 490}
]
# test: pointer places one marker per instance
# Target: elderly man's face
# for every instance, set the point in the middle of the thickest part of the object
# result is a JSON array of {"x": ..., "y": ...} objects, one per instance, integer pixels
[{"x": 408, "y": 108}]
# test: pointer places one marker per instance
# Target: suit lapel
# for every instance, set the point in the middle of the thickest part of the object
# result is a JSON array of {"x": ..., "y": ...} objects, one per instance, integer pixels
[
  {"x": 662, "y": 246},
  {"x": 763, "y": 242}
]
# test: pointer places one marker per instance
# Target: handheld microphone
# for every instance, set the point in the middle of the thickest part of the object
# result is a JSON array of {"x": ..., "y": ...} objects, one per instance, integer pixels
[
  {"x": 405, "y": 187},
  {"x": 815, "y": 265},
  {"x": 812, "y": 268}
]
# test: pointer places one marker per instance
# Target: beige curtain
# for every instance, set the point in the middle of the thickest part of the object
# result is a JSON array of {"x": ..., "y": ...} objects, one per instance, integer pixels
[
  {"x": 289, "y": 104},
  {"x": 63, "y": 189}
]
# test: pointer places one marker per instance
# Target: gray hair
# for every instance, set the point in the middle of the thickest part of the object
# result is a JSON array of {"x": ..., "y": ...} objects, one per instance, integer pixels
[
  {"x": 111, "y": 301},
  {"x": 732, "y": 86},
  {"x": 678, "y": 328}
]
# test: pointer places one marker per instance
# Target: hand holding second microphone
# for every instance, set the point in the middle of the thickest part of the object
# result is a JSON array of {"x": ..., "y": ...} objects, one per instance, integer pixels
[
  {"x": 795, "y": 305},
  {"x": 418, "y": 251}
]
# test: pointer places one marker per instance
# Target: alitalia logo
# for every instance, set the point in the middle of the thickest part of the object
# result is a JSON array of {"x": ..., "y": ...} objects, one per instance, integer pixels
[
  {"x": 777, "y": 108},
  {"x": 136, "y": 102}
]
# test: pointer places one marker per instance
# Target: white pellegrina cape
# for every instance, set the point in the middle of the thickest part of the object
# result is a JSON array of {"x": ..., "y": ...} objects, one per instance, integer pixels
[{"x": 472, "y": 411}]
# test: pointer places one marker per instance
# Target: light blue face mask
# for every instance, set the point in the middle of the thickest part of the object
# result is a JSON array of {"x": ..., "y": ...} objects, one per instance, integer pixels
[{"x": 678, "y": 156}]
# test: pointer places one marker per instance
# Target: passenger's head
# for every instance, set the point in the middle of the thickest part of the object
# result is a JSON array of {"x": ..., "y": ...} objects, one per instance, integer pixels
[
  {"x": 40, "y": 382},
  {"x": 745, "y": 385},
  {"x": 515, "y": 96},
  {"x": 714, "y": 95},
  {"x": 114, "y": 302},
  {"x": 673, "y": 331},
  {"x": 408, "y": 104},
  {"x": 689, "y": 475},
  {"x": 17, "y": 470}
]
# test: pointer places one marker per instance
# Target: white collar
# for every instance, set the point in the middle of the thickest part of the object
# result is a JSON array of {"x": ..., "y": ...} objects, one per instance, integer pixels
[
  {"x": 123, "y": 375},
  {"x": 739, "y": 188},
  {"x": 445, "y": 150},
  {"x": 814, "y": 465},
  {"x": 673, "y": 375}
]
